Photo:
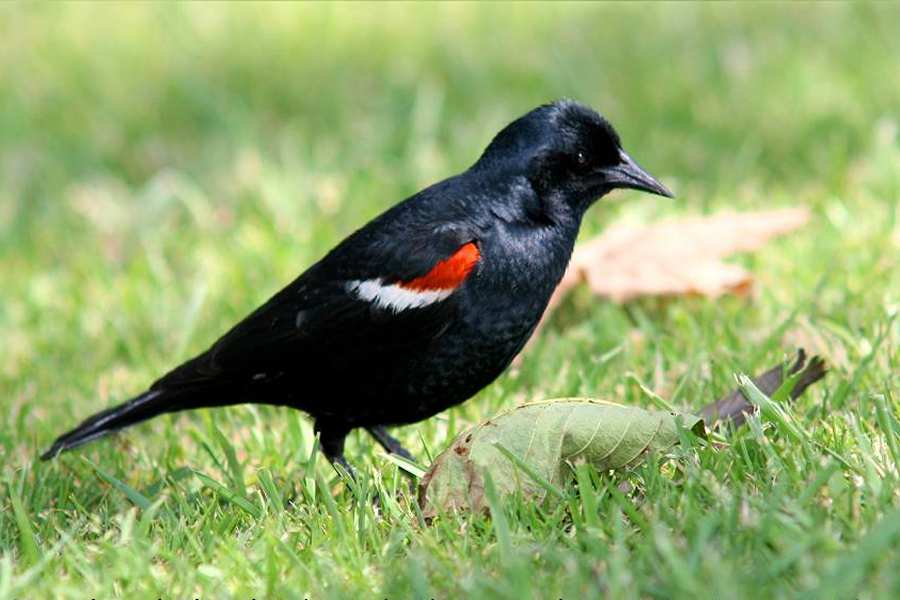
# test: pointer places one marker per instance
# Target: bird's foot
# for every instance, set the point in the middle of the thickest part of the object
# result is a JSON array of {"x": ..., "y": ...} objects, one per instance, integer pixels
[
  {"x": 393, "y": 445},
  {"x": 390, "y": 443},
  {"x": 340, "y": 465}
]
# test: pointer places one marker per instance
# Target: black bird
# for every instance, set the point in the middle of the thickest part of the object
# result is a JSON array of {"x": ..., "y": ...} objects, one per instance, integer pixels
[{"x": 421, "y": 308}]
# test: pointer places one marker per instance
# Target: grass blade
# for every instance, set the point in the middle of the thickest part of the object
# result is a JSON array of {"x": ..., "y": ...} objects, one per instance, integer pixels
[
  {"x": 136, "y": 498},
  {"x": 30, "y": 549},
  {"x": 230, "y": 495}
]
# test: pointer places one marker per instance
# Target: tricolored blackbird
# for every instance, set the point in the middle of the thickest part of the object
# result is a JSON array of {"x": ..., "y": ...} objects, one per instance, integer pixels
[{"x": 421, "y": 308}]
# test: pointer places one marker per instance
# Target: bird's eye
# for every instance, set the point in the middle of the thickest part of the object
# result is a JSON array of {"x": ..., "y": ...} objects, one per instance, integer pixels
[{"x": 582, "y": 162}]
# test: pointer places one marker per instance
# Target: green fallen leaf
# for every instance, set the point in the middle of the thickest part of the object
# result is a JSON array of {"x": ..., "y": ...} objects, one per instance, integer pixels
[{"x": 533, "y": 448}]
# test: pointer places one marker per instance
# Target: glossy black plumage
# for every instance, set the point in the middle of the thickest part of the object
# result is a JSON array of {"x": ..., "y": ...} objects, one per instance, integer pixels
[{"x": 318, "y": 345}]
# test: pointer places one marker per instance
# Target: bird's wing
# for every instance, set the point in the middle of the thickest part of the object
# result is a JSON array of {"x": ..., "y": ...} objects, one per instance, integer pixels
[{"x": 362, "y": 300}]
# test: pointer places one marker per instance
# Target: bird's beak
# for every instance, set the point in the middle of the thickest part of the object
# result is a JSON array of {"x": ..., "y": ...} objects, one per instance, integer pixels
[{"x": 629, "y": 174}]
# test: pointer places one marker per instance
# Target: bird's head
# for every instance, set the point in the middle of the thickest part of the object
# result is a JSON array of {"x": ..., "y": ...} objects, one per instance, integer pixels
[{"x": 570, "y": 154}]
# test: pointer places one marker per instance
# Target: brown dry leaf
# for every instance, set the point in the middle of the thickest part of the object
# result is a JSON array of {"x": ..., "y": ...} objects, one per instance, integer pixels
[{"x": 675, "y": 257}]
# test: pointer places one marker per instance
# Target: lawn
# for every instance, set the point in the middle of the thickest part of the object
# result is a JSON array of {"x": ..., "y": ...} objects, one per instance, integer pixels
[{"x": 165, "y": 168}]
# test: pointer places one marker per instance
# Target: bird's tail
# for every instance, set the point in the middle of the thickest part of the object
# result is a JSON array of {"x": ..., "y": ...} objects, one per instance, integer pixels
[{"x": 140, "y": 408}]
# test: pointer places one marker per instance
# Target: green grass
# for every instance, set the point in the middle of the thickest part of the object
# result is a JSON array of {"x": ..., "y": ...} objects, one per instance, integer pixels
[{"x": 165, "y": 168}]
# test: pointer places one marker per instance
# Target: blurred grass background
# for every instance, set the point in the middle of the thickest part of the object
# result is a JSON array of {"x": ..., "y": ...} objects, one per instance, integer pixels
[{"x": 164, "y": 168}]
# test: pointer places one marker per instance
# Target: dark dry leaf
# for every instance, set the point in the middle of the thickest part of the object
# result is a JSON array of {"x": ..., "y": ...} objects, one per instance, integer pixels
[{"x": 735, "y": 407}]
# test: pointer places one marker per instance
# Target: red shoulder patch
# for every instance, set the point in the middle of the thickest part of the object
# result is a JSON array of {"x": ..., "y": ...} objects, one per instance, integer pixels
[{"x": 449, "y": 273}]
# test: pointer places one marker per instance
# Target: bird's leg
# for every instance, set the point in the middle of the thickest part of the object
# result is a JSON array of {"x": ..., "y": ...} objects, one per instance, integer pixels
[
  {"x": 331, "y": 440},
  {"x": 390, "y": 443}
]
